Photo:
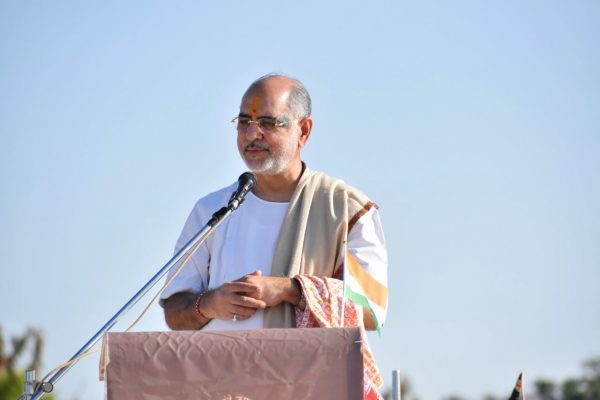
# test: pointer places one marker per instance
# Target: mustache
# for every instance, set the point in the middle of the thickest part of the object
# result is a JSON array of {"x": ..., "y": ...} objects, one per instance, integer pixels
[{"x": 255, "y": 144}]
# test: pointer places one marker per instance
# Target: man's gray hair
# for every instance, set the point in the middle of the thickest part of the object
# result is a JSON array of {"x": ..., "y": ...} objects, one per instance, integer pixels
[{"x": 299, "y": 103}]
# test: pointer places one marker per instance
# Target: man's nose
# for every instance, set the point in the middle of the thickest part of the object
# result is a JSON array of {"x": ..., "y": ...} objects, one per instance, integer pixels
[{"x": 253, "y": 131}]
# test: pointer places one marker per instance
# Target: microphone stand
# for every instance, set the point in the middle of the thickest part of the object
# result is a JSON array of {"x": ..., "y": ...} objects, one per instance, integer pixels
[{"x": 34, "y": 392}]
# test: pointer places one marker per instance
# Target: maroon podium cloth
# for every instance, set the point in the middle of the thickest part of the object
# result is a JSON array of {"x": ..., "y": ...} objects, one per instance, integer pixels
[{"x": 319, "y": 363}]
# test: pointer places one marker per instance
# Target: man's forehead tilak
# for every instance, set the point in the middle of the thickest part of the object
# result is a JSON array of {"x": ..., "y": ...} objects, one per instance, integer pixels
[{"x": 255, "y": 106}]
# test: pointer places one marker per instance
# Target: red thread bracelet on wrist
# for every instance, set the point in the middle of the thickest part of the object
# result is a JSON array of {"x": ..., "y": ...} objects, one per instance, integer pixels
[{"x": 198, "y": 305}]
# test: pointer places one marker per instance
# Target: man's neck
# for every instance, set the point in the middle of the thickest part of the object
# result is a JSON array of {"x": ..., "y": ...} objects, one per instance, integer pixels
[{"x": 280, "y": 187}]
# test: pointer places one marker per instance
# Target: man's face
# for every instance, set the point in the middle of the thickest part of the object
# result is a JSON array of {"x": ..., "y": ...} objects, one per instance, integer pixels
[{"x": 268, "y": 151}]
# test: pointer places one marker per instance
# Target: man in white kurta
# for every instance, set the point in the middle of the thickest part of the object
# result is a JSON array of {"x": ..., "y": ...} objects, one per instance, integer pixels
[
  {"x": 229, "y": 282},
  {"x": 245, "y": 243}
]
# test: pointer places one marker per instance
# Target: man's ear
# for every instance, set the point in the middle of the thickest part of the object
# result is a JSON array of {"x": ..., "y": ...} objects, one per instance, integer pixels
[{"x": 305, "y": 129}]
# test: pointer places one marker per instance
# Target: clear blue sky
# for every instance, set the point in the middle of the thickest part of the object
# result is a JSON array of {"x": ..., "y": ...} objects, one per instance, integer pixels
[{"x": 473, "y": 124}]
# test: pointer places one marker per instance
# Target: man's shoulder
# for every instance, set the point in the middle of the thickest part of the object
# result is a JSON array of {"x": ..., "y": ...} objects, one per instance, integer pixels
[{"x": 332, "y": 186}]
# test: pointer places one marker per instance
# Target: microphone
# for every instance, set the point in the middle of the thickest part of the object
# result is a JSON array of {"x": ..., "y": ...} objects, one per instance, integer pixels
[{"x": 246, "y": 182}]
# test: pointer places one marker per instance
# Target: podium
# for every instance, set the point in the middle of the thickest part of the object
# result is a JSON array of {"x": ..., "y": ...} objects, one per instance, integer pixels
[{"x": 311, "y": 364}]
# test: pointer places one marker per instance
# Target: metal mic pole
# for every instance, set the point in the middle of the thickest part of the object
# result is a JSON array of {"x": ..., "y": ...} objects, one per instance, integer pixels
[{"x": 191, "y": 246}]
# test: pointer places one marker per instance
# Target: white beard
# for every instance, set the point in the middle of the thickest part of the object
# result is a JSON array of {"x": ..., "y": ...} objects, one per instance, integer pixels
[{"x": 275, "y": 163}]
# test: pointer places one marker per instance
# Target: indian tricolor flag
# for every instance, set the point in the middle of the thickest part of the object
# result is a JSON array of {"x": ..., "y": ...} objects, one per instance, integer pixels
[
  {"x": 518, "y": 393},
  {"x": 365, "y": 286}
]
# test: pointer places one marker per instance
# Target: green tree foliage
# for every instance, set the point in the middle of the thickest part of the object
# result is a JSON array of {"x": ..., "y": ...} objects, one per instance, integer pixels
[
  {"x": 11, "y": 376},
  {"x": 545, "y": 389},
  {"x": 592, "y": 378},
  {"x": 11, "y": 386},
  {"x": 586, "y": 387}
]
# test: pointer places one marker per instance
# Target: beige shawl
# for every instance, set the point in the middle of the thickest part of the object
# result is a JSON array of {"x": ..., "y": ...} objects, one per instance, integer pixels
[{"x": 321, "y": 212}]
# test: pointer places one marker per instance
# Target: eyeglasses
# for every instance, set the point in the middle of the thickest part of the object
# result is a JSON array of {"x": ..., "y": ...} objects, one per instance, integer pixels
[{"x": 243, "y": 122}]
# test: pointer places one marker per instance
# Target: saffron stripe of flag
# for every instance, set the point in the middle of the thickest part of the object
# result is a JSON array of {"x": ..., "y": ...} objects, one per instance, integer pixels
[{"x": 364, "y": 290}]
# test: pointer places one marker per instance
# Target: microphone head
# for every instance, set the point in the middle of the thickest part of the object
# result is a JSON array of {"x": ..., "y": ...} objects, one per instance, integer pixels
[
  {"x": 247, "y": 178},
  {"x": 246, "y": 182}
]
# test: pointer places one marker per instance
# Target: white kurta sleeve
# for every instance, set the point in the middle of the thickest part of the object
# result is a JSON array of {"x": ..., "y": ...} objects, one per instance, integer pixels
[{"x": 194, "y": 275}]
